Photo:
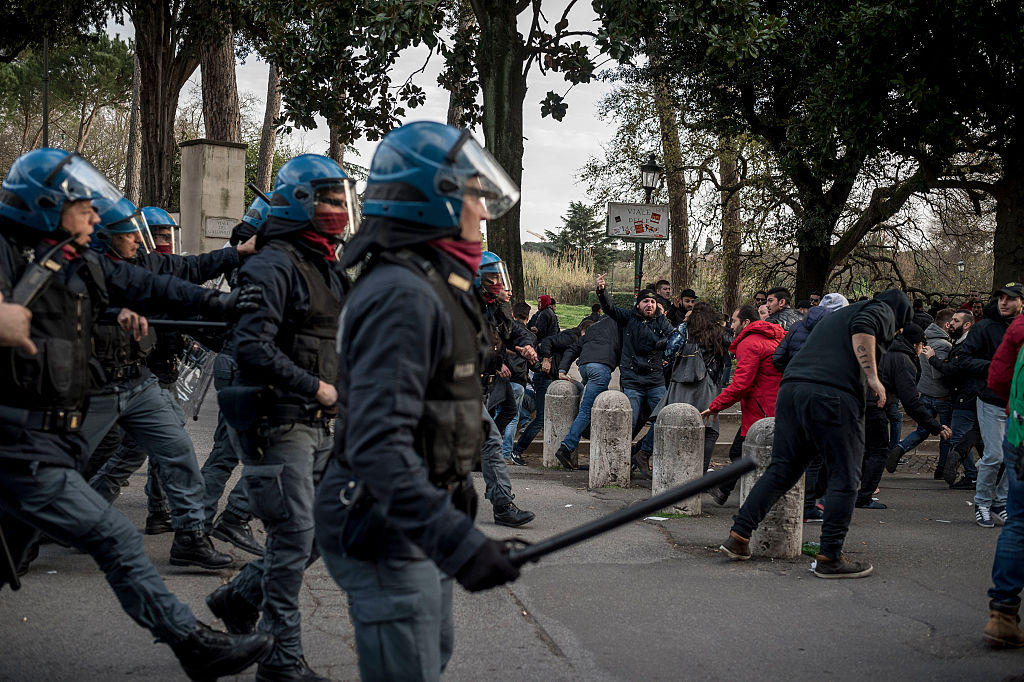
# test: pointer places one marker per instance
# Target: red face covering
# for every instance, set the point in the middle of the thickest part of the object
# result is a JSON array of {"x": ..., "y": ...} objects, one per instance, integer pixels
[
  {"x": 467, "y": 253},
  {"x": 164, "y": 248},
  {"x": 333, "y": 224},
  {"x": 320, "y": 243}
]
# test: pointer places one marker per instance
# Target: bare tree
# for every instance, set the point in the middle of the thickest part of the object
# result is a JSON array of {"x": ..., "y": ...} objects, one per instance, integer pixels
[
  {"x": 268, "y": 141},
  {"x": 728, "y": 170},
  {"x": 676, "y": 180}
]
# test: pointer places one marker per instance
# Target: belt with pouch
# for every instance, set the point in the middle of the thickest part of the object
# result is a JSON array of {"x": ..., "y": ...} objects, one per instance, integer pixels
[
  {"x": 124, "y": 372},
  {"x": 55, "y": 420}
]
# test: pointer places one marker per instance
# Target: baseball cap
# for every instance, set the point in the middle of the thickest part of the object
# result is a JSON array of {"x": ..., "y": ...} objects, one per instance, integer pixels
[{"x": 1015, "y": 289}]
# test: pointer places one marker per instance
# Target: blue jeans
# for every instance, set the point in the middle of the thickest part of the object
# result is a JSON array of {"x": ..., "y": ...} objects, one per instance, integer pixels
[
  {"x": 401, "y": 610},
  {"x": 152, "y": 416},
  {"x": 281, "y": 490},
  {"x": 518, "y": 391},
  {"x": 540, "y": 386},
  {"x": 639, "y": 396},
  {"x": 938, "y": 407},
  {"x": 991, "y": 489},
  {"x": 595, "y": 381},
  {"x": 223, "y": 457},
  {"x": 892, "y": 411},
  {"x": 962, "y": 421},
  {"x": 1008, "y": 565},
  {"x": 58, "y": 502}
]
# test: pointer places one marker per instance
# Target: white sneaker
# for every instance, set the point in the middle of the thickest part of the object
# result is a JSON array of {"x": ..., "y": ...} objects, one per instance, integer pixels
[{"x": 983, "y": 516}]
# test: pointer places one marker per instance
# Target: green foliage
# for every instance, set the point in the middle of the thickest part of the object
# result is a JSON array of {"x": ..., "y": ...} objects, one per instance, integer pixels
[
  {"x": 582, "y": 235},
  {"x": 622, "y": 299},
  {"x": 571, "y": 315},
  {"x": 335, "y": 58},
  {"x": 24, "y": 23}
]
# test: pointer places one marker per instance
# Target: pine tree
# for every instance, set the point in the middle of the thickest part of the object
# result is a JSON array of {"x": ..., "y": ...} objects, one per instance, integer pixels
[{"x": 582, "y": 236}]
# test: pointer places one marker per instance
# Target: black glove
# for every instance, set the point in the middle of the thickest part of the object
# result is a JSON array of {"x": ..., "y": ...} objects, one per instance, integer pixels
[
  {"x": 465, "y": 499},
  {"x": 488, "y": 568},
  {"x": 243, "y": 299}
]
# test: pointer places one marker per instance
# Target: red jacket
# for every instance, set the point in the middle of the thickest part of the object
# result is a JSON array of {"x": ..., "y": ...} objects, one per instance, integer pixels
[
  {"x": 756, "y": 381},
  {"x": 1000, "y": 371}
]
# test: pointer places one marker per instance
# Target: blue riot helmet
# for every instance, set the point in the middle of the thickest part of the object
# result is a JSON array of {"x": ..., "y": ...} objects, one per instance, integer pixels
[
  {"x": 313, "y": 188},
  {"x": 421, "y": 172},
  {"x": 257, "y": 212},
  {"x": 119, "y": 217},
  {"x": 164, "y": 231},
  {"x": 492, "y": 276},
  {"x": 42, "y": 180}
]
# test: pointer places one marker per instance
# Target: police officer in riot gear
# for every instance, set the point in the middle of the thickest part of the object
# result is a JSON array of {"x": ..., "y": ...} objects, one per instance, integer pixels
[
  {"x": 395, "y": 509},
  {"x": 132, "y": 398},
  {"x": 46, "y": 217},
  {"x": 287, "y": 368},
  {"x": 232, "y": 525},
  {"x": 495, "y": 286}
]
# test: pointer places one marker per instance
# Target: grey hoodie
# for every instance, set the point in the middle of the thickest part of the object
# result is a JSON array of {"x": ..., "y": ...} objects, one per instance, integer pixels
[{"x": 930, "y": 383}]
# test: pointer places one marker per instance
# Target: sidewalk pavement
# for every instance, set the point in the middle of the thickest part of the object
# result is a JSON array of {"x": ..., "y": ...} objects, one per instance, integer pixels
[{"x": 654, "y": 600}]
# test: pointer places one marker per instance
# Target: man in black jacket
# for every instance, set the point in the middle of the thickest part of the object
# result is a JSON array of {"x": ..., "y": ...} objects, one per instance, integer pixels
[
  {"x": 645, "y": 333},
  {"x": 899, "y": 371},
  {"x": 980, "y": 346},
  {"x": 46, "y": 216},
  {"x": 285, "y": 399},
  {"x": 394, "y": 514},
  {"x": 551, "y": 351},
  {"x": 820, "y": 408},
  {"x": 780, "y": 311},
  {"x": 544, "y": 322}
]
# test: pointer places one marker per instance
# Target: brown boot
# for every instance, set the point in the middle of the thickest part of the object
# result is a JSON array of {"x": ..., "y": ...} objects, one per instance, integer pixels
[{"x": 1003, "y": 627}]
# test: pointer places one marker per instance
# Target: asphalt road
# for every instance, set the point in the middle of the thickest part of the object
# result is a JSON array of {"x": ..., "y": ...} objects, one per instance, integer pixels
[{"x": 654, "y": 600}]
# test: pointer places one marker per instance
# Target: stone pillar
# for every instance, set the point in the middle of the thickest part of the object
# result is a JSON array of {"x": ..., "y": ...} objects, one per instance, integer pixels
[
  {"x": 212, "y": 193},
  {"x": 611, "y": 428},
  {"x": 780, "y": 535},
  {"x": 678, "y": 452},
  {"x": 561, "y": 403}
]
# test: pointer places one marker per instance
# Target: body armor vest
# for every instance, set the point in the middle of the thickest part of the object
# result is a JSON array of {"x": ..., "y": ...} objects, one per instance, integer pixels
[
  {"x": 450, "y": 432},
  {"x": 310, "y": 343},
  {"x": 58, "y": 376},
  {"x": 118, "y": 352}
]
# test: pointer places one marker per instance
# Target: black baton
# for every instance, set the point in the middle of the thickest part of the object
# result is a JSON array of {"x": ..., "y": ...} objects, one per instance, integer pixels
[{"x": 520, "y": 555}]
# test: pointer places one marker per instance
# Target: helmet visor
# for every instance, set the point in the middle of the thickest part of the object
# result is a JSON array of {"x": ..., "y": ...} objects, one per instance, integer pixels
[
  {"x": 166, "y": 238},
  {"x": 133, "y": 224},
  {"x": 495, "y": 273},
  {"x": 335, "y": 208},
  {"x": 470, "y": 170},
  {"x": 78, "y": 180}
]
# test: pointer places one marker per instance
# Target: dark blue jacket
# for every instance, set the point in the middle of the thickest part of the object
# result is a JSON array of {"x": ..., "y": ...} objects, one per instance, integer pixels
[
  {"x": 286, "y": 302},
  {"x": 643, "y": 340},
  {"x": 393, "y": 332},
  {"x": 796, "y": 337}
]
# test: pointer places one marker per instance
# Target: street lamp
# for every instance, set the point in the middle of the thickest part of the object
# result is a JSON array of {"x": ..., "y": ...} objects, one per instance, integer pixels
[
  {"x": 960, "y": 265},
  {"x": 650, "y": 178}
]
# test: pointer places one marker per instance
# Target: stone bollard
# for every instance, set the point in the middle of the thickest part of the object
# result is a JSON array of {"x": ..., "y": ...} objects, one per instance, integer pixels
[
  {"x": 611, "y": 425},
  {"x": 780, "y": 535},
  {"x": 678, "y": 452},
  {"x": 561, "y": 403}
]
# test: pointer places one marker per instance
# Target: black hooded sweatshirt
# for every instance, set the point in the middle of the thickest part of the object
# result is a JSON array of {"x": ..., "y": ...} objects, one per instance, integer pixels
[
  {"x": 827, "y": 356},
  {"x": 899, "y": 372}
]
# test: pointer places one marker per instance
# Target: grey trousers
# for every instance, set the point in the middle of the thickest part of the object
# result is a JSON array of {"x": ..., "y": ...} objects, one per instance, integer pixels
[{"x": 495, "y": 471}]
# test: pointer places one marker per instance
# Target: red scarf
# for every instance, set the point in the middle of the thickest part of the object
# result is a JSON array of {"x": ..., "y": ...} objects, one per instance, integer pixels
[
  {"x": 68, "y": 251},
  {"x": 467, "y": 253},
  {"x": 320, "y": 243}
]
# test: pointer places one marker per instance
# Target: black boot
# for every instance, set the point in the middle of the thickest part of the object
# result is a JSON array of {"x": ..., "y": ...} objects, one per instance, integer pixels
[
  {"x": 237, "y": 614},
  {"x": 158, "y": 523},
  {"x": 193, "y": 548},
  {"x": 512, "y": 516},
  {"x": 230, "y": 528},
  {"x": 564, "y": 456},
  {"x": 208, "y": 654},
  {"x": 642, "y": 465},
  {"x": 297, "y": 672}
]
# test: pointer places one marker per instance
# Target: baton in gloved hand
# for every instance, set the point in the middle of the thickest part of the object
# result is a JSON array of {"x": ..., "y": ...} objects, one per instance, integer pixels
[{"x": 519, "y": 555}]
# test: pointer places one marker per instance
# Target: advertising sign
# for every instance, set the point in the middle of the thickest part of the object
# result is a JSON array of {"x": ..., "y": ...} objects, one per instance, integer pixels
[{"x": 638, "y": 221}]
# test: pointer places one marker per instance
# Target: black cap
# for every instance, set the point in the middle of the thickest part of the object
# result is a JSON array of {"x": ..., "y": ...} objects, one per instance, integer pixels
[
  {"x": 646, "y": 293},
  {"x": 688, "y": 292},
  {"x": 804, "y": 303},
  {"x": 913, "y": 333},
  {"x": 1015, "y": 289}
]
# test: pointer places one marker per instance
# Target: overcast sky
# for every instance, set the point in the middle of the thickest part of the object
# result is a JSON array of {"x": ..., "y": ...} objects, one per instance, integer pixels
[{"x": 554, "y": 150}]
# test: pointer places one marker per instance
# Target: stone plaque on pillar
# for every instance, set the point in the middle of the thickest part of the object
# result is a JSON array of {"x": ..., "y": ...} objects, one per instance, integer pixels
[{"x": 212, "y": 192}]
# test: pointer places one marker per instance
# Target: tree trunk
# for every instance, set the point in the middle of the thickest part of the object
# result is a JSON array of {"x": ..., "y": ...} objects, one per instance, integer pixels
[
  {"x": 675, "y": 179},
  {"x": 1008, "y": 242},
  {"x": 335, "y": 149},
  {"x": 812, "y": 269},
  {"x": 268, "y": 141},
  {"x": 466, "y": 21},
  {"x": 133, "y": 161},
  {"x": 499, "y": 59},
  {"x": 728, "y": 172},
  {"x": 163, "y": 73},
  {"x": 221, "y": 114}
]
